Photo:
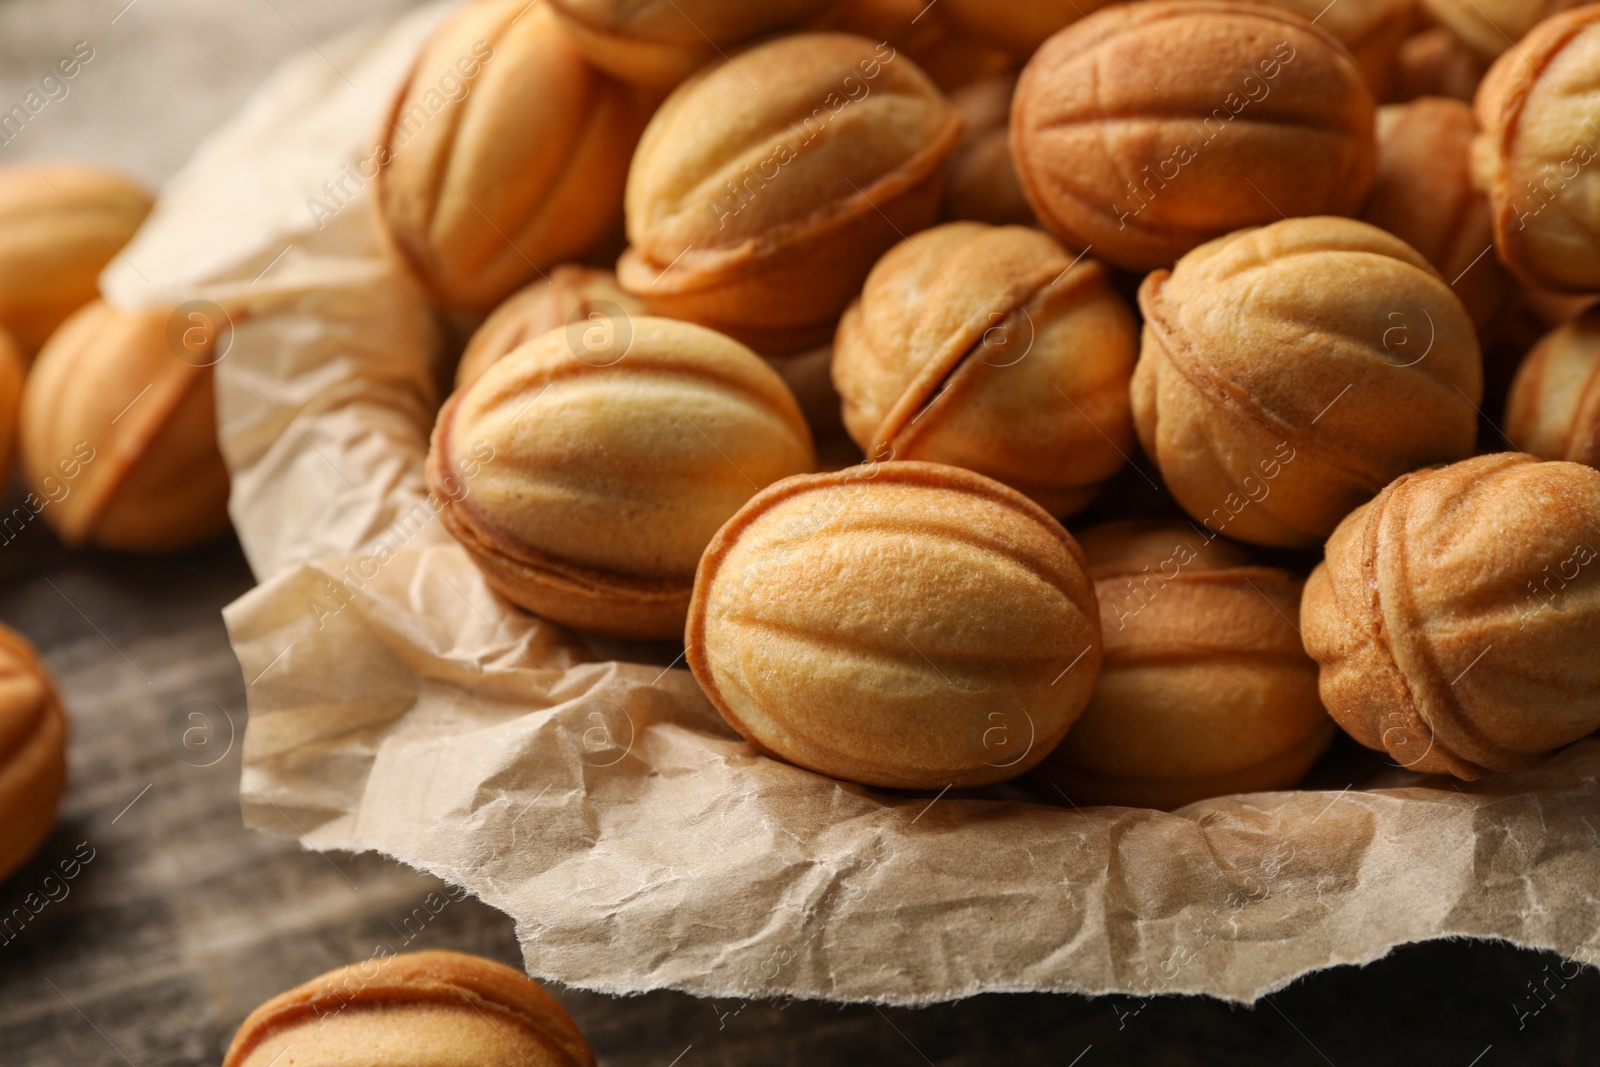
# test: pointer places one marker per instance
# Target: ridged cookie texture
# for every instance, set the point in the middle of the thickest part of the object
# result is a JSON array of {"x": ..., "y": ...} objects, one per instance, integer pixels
[
  {"x": 420, "y": 1009},
  {"x": 1290, "y": 372},
  {"x": 1554, "y": 409},
  {"x": 505, "y": 153},
  {"x": 1204, "y": 687},
  {"x": 1148, "y": 129},
  {"x": 1425, "y": 196},
  {"x": 991, "y": 348},
  {"x": 765, "y": 187},
  {"x": 33, "y": 751},
  {"x": 586, "y": 482},
  {"x": 907, "y": 625},
  {"x": 1457, "y": 616},
  {"x": 60, "y": 224},
  {"x": 118, "y": 429},
  {"x": 1537, "y": 154}
]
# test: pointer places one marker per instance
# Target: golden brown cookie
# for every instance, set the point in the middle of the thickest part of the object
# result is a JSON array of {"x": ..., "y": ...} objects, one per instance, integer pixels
[
  {"x": 1538, "y": 155},
  {"x": 60, "y": 224},
  {"x": 119, "y": 429},
  {"x": 907, "y": 625},
  {"x": 505, "y": 153},
  {"x": 1290, "y": 372},
  {"x": 33, "y": 751},
  {"x": 421, "y": 1009},
  {"x": 585, "y": 482},
  {"x": 1554, "y": 409},
  {"x": 1148, "y": 129},
  {"x": 766, "y": 186},
  {"x": 1457, "y": 615},
  {"x": 1204, "y": 688},
  {"x": 991, "y": 348}
]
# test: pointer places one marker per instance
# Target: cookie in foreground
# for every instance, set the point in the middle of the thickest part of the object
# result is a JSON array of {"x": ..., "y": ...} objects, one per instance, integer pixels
[
  {"x": 425, "y": 1009},
  {"x": 905, "y": 624},
  {"x": 1457, "y": 616},
  {"x": 1288, "y": 373}
]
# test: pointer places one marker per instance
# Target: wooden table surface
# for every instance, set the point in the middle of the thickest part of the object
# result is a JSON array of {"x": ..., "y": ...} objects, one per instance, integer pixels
[{"x": 183, "y": 921}]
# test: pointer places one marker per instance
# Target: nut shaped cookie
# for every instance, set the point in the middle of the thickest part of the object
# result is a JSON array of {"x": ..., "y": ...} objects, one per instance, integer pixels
[
  {"x": 906, "y": 625},
  {"x": 766, "y": 186},
  {"x": 660, "y": 42},
  {"x": 1204, "y": 687},
  {"x": 586, "y": 483},
  {"x": 118, "y": 432},
  {"x": 1290, "y": 372},
  {"x": 60, "y": 224},
  {"x": 423, "y": 1009},
  {"x": 991, "y": 348},
  {"x": 1424, "y": 195},
  {"x": 505, "y": 153},
  {"x": 1554, "y": 410},
  {"x": 33, "y": 751},
  {"x": 1456, "y": 617},
  {"x": 1148, "y": 129},
  {"x": 582, "y": 300},
  {"x": 1538, "y": 153}
]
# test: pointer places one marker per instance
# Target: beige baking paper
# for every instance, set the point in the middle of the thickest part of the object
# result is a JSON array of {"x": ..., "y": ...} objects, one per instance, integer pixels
[{"x": 397, "y": 705}]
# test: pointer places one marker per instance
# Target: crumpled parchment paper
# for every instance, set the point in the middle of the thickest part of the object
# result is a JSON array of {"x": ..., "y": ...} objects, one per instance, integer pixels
[{"x": 397, "y": 705}]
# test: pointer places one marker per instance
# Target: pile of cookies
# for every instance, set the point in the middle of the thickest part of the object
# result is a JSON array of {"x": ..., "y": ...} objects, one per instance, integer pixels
[{"x": 949, "y": 211}]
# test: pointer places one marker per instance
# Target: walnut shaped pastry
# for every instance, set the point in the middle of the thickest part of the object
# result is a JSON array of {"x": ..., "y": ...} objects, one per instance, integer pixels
[
  {"x": 1148, "y": 129},
  {"x": 766, "y": 186},
  {"x": 908, "y": 625},
  {"x": 1538, "y": 153},
  {"x": 1456, "y": 617},
  {"x": 586, "y": 482},
  {"x": 1288, "y": 373},
  {"x": 994, "y": 349}
]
